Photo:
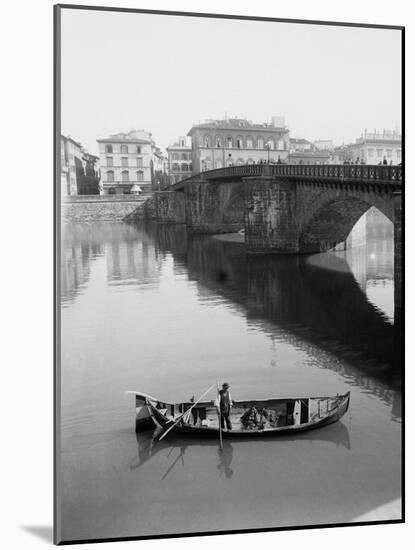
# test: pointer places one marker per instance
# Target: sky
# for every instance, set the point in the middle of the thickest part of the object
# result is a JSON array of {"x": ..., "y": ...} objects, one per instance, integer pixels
[{"x": 123, "y": 71}]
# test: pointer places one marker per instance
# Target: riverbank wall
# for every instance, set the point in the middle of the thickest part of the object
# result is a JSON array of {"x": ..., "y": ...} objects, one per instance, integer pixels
[{"x": 92, "y": 208}]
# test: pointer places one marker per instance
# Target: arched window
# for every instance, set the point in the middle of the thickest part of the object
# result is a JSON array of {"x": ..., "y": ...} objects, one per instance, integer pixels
[
  {"x": 229, "y": 142},
  {"x": 139, "y": 162},
  {"x": 206, "y": 141},
  {"x": 184, "y": 167},
  {"x": 239, "y": 162},
  {"x": 249, "y": 142},
  {"x": 218, "y": 142},
  {"x": 124, "y": 149},
  {"x": 108, "y": 148},
  {"x": 175, "y": 156},
  {"x": 184, "y": 156},
  {"x": 110, "y": 161},
  {"x": 250, "y": 161},
  {"x": 176, "y": 167},
  {"x": 260, "y": 143},
  {"x": 139, "y": 149},
  {"x": 110, "y": 176},
  {"x": 140, "y": 175},
  {"x": 229, "y": 162},
  {"x": 270, "y": 143},
  {"x": 239, "y": 142},
  {"x": 125, "y": 175}
]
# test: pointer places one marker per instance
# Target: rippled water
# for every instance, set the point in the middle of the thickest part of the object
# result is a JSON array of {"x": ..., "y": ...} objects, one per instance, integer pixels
[{"x": 149, "y": 308}]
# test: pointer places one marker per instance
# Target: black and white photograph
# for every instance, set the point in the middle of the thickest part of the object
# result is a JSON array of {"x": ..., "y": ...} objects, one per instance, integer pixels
[{"x": 229, "y": 303}]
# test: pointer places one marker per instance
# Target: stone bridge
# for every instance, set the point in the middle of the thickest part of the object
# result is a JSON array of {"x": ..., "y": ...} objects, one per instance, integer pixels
[{"x": 283, "y": 208}]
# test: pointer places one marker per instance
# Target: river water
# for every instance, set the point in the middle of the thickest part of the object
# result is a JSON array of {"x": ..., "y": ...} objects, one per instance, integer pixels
[{"x": 150, "y": 308}]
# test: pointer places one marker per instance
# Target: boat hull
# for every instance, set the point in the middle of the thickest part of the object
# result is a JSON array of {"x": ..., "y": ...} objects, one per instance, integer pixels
[{"x": 185, "y": 418}]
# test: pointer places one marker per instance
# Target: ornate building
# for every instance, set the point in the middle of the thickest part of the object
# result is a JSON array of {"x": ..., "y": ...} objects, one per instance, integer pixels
[
  {"x": 234, "y": 141},
  {"x": 180, "y": 159},
  {"x": 130, "y": 163},
  {"x": 377, "y": 147}
]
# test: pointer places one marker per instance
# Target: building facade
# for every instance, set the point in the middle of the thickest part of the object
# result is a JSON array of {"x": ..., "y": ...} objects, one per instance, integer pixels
[
  {"x": 128, "y": 162},
  {"x": 234, "y": 141},
  {"x": 377, "y": 147},
  {"x": 302, "y": 151},
  {"x": 180, "y": 159},
  {"x": 79, "y": 169}
]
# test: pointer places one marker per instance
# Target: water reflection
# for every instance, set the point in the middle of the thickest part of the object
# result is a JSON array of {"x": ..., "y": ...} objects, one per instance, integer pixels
[
  {"x": 129, "y": 252},
  {"x": 322, "y": 297},
  {"x": 175, "y": 448}
]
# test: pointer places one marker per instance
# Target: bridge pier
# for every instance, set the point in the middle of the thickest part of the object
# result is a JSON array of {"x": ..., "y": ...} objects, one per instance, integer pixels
[
  {"x": 270, "y": 215},
  {"x": 170, "y": 207},
  {"x": 213, "y": 207}
]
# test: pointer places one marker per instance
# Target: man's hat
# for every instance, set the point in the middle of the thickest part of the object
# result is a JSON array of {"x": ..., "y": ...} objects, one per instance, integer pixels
[{"x": 225, "y": 385}]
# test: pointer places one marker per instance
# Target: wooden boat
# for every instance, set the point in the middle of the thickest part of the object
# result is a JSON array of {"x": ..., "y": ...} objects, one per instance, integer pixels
[{"x": 249, "y": 417}]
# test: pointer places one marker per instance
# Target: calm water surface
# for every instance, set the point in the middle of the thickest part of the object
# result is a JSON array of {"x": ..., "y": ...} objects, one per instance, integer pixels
[{"x": 149, "y": 308}]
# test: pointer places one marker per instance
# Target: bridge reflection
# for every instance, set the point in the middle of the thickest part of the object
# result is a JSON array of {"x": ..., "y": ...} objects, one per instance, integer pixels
[{"x": 316, "y": 298}]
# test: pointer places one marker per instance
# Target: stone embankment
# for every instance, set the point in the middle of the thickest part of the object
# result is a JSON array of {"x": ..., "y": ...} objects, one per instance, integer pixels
[
  {"x": 94, "y": 208},
  {"x": 145, "y": 211}
]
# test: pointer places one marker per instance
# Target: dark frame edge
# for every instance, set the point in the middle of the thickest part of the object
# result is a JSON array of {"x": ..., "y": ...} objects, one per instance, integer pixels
[
  {"x": 56, "y": 272},
  {"x": 230, "y": 16}
]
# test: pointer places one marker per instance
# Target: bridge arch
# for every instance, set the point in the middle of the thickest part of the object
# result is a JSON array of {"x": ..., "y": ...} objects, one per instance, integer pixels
[{"x": 329, "y": 220}]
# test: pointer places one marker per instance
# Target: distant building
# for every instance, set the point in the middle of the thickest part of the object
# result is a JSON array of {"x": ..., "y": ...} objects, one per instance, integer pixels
[
  {"x": 78, "y": 168},
  {"x": 340, "y": 154},
  {"x": 180, "y": 159},
  {"x": 309, "y": 157},
  {"x": 301, "y": 145},
  {"x": 129, "y": 162},
  {"x": 375, "y": 147},
  {"x": 234, "y": 141},
  {"x": 303, "y": 151},
  {"x": 324, "y": 144}
]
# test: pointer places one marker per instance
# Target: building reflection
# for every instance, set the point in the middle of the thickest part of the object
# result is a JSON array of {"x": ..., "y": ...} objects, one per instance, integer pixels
[
  {"x": 130, "y": 254},
  {"x": 80, "y": 246}
]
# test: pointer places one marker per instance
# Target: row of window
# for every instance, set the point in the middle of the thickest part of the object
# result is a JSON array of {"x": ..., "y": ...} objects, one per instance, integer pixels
[
  {"x": 182, "y": 156},
  {"x": 380, "y": 153},
  {"x": 124, "y": 149},
  {"x": 243, "y": 143},
  {"x": 125, "y": 175},
  {"x": 184, "y": 167},
  {"x": 124, "y": 162}
]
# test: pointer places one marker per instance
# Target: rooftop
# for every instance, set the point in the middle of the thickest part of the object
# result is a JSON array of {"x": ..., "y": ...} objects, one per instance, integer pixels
[
  {"x": 135, "y": 136},
  {"x": 235, "y": 124}
]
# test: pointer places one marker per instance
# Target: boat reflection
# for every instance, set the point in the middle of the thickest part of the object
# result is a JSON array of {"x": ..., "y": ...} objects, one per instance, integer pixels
[{"x": 149, "y": 445}]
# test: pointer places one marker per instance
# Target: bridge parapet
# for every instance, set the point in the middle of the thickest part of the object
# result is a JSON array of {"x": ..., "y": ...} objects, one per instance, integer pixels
[{"x": 339, "y": 172}]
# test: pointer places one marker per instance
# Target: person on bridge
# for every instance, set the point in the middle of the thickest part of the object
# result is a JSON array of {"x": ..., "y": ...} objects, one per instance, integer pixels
[
  {"x": 385, "y": 161},
  {"x": 225, "y": 406}
]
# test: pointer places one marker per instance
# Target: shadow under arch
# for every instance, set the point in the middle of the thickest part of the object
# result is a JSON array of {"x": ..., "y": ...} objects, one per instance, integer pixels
[{"x": 331, "y": 222}]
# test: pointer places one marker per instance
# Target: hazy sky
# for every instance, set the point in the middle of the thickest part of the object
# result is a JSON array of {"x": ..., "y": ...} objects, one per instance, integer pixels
[{"x": 164, "y": 73}]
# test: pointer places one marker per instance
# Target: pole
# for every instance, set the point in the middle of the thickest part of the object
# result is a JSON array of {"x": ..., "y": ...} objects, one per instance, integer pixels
[
  {"x": 185, "y": 412},
  {"x": 220, "y": 419}
]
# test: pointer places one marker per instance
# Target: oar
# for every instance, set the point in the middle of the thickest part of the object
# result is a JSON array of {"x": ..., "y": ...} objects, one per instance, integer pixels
[
  {"x": 185, "y": 412},
  {"x": 219, "y": 417}
]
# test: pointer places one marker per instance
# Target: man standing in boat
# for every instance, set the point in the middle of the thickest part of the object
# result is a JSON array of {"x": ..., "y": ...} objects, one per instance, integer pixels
[{"x": 225, "y": 406}]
